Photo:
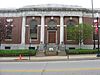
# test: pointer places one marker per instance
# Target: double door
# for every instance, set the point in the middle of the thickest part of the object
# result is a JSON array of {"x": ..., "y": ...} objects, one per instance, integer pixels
[{"x": 52, "y": 37}]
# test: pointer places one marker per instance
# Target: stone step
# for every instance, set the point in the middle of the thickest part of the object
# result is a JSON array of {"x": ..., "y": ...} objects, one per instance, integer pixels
[
  {"x": 40, "y": 53},
  {"x": 61, "y": 53},
  {"x": 51, "y": 53}
]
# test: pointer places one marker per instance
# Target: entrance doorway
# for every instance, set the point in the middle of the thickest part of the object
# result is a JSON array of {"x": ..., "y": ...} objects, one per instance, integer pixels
[{"x": 51, "y": 36}]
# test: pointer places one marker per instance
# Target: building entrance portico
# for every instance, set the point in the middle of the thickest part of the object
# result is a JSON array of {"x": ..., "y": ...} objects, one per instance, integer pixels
[{"x": 51, "y": 30}]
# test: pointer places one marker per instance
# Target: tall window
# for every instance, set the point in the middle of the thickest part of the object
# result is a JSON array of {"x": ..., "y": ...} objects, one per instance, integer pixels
[
  {"x": 70, "y": 30},
  {"x": 9, "y": 27},
  {"x": 33, "y": 29},
  {"x": 8, "y": 32}
]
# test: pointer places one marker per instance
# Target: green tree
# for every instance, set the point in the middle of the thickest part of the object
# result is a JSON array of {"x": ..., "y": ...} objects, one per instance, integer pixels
[
  {"x": 87, "y": 31},
  {"x": 71, "y": 33},
  {"x": 79, "y": 32}
]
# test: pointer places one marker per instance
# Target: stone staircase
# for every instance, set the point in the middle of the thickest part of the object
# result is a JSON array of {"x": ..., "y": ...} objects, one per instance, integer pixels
[
  {"x": 51, "y": 50},
  {"x": 40, "y": 53},
  {"x": 52, "y": 46},
  {"x": 61, "y": 50}
]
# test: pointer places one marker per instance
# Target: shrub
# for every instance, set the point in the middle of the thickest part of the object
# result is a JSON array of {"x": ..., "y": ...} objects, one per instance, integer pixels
[
  {"x": 17, "y": 52},
  {"x": 81, "y": 51}
]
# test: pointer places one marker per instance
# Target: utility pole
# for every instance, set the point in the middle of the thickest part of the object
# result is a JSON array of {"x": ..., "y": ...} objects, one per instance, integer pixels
[{"x": 93, "y": 24}]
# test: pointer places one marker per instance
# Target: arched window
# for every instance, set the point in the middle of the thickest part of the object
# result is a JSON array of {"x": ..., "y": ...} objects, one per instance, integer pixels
[
  {"x": 52, "y": 24},
  {"x": 33, "y": 29},
  {"x": 71, "y": 30}
]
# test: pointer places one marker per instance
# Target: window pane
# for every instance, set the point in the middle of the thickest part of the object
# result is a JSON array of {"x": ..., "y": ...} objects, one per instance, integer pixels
[
  {"x": 9, "y": 32},
  {"x": 33, "y": 29},
  {"x": 52, "y": 25},
  {"x": 51, "y": 22}
]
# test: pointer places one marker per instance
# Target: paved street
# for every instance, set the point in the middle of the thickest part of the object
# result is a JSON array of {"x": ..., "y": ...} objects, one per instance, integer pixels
[{"x": 82, "y": 67}]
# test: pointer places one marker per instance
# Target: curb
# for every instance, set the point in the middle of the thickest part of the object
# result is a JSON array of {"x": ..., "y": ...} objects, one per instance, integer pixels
[{"x": 42, "y": 60}]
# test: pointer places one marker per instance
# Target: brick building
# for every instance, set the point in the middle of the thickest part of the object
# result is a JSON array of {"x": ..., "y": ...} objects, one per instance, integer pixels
[{"x": 38, "y": 26}]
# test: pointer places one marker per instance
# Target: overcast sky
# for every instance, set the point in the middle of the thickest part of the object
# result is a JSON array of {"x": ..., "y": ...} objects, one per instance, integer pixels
[{"x": 21, "y": 3}]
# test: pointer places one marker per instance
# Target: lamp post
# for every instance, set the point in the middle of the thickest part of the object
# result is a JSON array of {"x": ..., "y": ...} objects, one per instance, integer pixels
[
  {"x": 97, "y": 31},
  {"x": 29, "y": 48}
]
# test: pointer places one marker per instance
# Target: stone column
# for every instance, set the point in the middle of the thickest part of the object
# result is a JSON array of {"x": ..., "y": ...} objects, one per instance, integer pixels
[
  {"x": 23, "y": 32},
  {"x": 41, "y": 46},
  {"x": 61, "y": 30},
  {"x": 42, "y": 30}
]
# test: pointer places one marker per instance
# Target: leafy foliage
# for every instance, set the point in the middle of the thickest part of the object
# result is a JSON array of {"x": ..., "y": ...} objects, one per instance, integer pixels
[
  {"x": 79, "y": 32},
  {"x": 87, "y": 31}
]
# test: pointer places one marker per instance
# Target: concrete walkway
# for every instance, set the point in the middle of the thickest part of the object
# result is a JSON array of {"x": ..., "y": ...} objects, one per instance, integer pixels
[{"x": 52, "y": 58}]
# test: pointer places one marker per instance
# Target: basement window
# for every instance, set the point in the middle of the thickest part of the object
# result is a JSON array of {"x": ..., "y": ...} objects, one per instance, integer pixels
[
  {"x": 7, "y": 47},
  {"x": 71, "y": 47},
  {"x": 33, "y": 48}
]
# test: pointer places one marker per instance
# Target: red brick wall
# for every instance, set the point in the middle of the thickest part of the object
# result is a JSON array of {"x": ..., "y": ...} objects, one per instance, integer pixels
[
  {"x": 16, "y": 31},
  {"x": 88, "y": 20}
]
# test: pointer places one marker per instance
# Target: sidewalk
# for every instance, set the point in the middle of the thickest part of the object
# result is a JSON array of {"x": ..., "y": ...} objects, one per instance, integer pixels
[{"x": 51, "y": 58}]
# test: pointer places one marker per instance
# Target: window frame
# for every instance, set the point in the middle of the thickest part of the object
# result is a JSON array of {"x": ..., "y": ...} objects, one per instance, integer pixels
[
  {"x": 69, "y": 21},
  {"x": 34, "y": 20}
]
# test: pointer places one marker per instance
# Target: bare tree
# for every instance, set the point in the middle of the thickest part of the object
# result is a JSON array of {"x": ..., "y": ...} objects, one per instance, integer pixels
[{"x": 2, "y": 30}]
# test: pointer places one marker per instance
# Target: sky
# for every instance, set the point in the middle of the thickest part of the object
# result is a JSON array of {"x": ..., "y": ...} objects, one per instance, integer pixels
[{"x": 22, "y": 3}]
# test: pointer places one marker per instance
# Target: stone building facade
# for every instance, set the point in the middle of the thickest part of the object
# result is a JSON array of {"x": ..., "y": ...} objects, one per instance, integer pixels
[{"x": 40, "y": 25}]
